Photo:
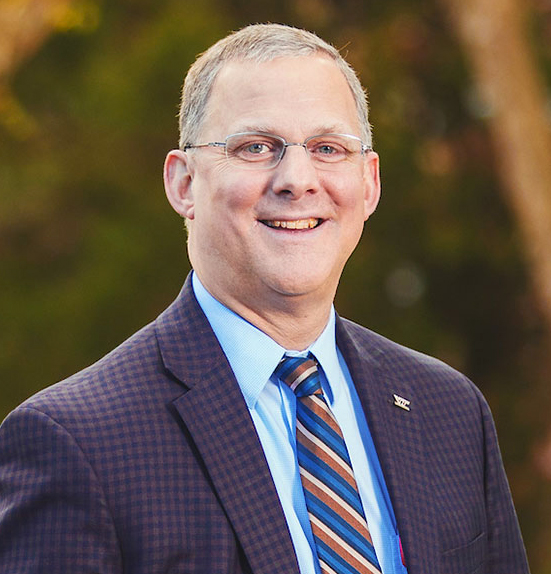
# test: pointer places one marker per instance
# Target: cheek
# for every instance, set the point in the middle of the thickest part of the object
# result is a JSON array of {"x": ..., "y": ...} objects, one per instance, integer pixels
[
  {"x": 349, "y": 194},
  {"x": 224, "y": 212},
  {"x": 239, "y": 193}
]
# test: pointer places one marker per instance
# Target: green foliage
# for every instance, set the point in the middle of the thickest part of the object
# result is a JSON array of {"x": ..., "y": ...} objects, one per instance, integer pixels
[{"x": 90, "y": 250}]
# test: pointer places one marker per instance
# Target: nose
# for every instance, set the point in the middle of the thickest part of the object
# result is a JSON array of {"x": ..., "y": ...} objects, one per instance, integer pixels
[{"x": 295, "y": 174}]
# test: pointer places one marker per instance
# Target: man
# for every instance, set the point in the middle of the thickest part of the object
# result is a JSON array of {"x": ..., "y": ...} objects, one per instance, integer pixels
[{"x": 184, "y": 449}]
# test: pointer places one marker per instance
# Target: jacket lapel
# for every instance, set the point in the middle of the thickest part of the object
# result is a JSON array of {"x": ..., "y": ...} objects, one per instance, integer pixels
[
  {"x": 398, "y": 437},
  {"x": 213, "y": 410},
  {"x": 216, "y": 415}
]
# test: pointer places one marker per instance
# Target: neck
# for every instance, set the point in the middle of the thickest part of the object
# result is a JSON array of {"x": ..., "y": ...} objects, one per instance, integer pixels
[
  {"x": 294, "y": 322},
  {"x": 295, "y": 328}
]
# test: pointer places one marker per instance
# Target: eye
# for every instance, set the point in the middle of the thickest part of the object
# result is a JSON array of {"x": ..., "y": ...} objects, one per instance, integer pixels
[
  {"x": 332, "y": 148},
  {"x": 255, "y": 148},
  {"x": 327, "y": 150},
  {"x": 252, "y": 147}
]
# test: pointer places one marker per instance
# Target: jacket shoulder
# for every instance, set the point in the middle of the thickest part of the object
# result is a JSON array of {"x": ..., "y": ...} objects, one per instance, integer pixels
[
  {"x": 382, "y": 348},
  {"x": 105, "y": 385},
  {"x": 426, "y": 373}
]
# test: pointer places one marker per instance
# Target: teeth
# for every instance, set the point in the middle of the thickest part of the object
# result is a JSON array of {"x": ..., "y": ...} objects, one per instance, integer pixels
[{"x": 294, "y": 224}]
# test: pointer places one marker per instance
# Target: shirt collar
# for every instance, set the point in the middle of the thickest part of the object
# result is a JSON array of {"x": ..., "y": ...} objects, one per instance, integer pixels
[
  {"x": 324, "y": 348},
  {"x": 253, "y": 355}
]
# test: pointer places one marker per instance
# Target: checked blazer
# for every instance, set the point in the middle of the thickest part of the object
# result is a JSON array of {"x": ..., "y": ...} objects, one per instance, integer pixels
[{"x": 148, "y": 462}]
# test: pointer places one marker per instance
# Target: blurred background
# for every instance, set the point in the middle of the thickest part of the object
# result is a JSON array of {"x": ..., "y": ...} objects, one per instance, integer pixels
[{"x": 456, "y": 262}]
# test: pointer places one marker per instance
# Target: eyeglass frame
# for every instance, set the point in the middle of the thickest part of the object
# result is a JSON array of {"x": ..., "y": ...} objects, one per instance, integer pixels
[{"x": 364, "y": 147}]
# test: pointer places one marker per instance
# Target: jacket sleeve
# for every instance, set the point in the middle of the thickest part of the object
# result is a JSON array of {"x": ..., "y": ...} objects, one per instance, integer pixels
[
  {"x": 53, "y": 513},
  {"x": 506, "y": 551}
]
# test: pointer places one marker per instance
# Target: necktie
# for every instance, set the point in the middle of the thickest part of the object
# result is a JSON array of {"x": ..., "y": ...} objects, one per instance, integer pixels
[{"x": 336, "y": 514}]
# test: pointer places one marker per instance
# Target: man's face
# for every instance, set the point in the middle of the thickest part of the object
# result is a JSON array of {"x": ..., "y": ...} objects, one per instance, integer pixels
[{"x": 240, "y": 253}]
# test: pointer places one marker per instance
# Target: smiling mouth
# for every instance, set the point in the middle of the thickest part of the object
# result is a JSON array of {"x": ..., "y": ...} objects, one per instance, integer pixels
[{"x": 309, "y": 223}]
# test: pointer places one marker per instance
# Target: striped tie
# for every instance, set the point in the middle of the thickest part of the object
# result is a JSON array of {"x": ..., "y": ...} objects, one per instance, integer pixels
[{"x": 336, "y": 514}]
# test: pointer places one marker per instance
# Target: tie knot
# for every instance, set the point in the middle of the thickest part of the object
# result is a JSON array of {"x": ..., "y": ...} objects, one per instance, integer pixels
[{"x": 301, "y": 374}]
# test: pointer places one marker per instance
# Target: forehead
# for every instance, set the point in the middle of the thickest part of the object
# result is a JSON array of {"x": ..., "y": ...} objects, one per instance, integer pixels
[{"x": 287, "y": 94}]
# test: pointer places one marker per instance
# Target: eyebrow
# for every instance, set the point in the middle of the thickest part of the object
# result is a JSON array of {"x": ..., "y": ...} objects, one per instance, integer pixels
[
  {"x": 255, "y": 128},
  {"x": 321, "y": 129}
]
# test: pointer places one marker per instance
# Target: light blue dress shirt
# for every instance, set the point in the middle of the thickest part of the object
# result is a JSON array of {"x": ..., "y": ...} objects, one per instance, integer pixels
[{"x": 253, "y": 356}]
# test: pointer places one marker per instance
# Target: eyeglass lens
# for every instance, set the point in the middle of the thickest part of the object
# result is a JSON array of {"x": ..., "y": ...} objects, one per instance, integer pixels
[{"x": 262, "y": 151}]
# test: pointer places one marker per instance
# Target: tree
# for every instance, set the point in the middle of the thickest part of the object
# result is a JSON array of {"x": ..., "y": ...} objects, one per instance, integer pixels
[
  {"x": 25, "y": 25},
  {"x": 494, "y": 36}
]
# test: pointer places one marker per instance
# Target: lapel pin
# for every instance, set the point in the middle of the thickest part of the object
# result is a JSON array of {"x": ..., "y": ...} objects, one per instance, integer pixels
[{"x": 401, "y": 402}]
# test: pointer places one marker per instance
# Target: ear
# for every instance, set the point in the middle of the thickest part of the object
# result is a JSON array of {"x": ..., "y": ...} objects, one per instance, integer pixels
[
  {"x": 372, "y": 183},
  {"x": 177, "y": 177}
]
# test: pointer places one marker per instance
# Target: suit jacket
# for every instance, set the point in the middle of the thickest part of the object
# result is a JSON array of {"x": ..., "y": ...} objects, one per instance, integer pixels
[{"x": 148, "y": 462}]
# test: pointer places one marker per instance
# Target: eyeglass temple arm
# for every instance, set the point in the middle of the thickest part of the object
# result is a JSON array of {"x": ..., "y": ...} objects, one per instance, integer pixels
[{"x": 209, "y": 144}]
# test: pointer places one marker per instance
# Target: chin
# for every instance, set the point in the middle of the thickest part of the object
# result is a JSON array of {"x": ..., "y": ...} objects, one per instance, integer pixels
[{"x": 297, "y": 286}]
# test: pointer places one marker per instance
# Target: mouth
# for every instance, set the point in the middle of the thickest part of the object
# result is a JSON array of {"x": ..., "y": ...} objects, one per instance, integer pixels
[{"x": 309, "y": 223}]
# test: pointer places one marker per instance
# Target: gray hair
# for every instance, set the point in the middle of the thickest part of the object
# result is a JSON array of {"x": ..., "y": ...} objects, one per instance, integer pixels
[{"x": 258, "y": 43}]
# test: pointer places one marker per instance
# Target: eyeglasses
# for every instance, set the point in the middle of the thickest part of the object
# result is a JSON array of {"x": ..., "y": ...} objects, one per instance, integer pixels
[{"x": 257, "y": 150}]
